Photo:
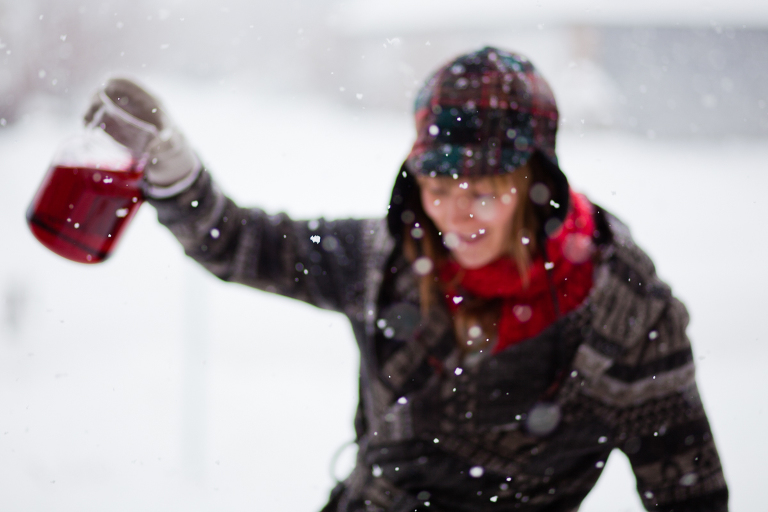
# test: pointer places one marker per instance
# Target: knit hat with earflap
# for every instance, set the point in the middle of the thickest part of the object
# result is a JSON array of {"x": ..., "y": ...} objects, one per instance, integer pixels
[{"x": 486, "y": 113}]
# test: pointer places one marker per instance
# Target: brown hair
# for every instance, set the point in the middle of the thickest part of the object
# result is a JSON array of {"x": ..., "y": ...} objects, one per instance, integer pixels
[{"x": 426, "y": 242}]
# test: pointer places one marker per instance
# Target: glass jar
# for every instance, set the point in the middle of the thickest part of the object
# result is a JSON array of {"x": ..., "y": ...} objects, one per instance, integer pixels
[{"x": 93, "y": 187}]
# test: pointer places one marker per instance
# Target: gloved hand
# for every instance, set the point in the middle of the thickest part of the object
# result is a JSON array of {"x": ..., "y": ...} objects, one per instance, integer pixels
[{"x": 137, "y": 120}]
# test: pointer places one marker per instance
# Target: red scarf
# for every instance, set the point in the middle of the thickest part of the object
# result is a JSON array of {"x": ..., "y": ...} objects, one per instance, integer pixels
[{"x": 527, "y": 311}]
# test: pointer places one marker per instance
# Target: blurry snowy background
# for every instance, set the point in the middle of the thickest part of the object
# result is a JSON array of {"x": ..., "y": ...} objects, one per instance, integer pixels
[{"x": 145, "y": 384}]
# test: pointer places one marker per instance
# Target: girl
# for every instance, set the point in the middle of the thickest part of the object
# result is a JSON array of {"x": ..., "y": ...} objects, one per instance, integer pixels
[{"x": 511, "y": 332}]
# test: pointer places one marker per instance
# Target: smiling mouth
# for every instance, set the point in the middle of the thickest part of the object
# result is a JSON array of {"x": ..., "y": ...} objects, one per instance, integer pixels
[
  {"x": 453, "y": 240},
  {"x": 472, "y": 238}
]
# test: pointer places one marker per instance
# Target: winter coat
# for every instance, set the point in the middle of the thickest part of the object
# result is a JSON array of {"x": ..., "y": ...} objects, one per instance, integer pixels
[{"x": 441, "y": 432}]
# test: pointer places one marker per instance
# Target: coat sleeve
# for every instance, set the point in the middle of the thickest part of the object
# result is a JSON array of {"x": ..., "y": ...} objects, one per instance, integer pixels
[
  {"x": 665, "y": 431},
  {"x": 316, "y": 261},
  {"x": 639, "y": 364}
]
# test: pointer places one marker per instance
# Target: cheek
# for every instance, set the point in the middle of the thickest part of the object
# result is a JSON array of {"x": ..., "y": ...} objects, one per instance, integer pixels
[
  {"x": 496, "y": 213},
  {"x": 433, "y": 211},
  {"x": 502, "y": 217},
  {"x": 487, "y": 210}
]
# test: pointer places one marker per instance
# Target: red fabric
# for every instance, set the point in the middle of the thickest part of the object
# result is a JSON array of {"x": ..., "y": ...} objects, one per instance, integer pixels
[{"x": 527, "y": 311}]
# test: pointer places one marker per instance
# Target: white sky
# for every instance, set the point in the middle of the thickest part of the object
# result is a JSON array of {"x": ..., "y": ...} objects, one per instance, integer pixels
[{"x": 405, "y": 16}]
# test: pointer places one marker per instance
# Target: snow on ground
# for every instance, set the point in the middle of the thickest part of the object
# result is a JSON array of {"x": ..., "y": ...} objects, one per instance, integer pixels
[{"x": 145, "y": 384}]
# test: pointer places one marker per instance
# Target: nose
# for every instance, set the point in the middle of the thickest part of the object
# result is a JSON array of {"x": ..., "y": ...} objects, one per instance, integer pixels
[{"x": 460, "y": 211}]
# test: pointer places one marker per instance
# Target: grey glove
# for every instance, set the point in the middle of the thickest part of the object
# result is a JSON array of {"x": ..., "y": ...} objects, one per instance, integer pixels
[{"x": 137, "y": 120}]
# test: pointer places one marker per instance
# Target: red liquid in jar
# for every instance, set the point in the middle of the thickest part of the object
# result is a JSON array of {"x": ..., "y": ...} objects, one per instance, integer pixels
[{"x": 79, "y": 212}]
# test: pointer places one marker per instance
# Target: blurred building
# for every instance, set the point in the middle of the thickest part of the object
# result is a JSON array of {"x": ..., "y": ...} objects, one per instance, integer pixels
[
  {"x": 674, "y": 68},
  {"x": 661, "y": 68}
]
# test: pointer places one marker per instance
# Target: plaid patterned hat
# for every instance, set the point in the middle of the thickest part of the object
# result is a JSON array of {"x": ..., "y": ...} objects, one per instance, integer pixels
[{"x": 484, "y": 113}]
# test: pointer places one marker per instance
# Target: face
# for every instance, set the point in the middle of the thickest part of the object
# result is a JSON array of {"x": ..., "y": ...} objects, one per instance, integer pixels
[{"x": 473, "y": 215}]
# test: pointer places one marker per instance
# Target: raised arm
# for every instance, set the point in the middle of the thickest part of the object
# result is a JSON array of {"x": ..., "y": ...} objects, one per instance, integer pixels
[{"x": 316, "y": 261}]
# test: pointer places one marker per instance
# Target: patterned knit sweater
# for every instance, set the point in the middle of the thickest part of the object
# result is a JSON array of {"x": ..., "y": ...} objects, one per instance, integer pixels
[{"x": 442, "y": 430}]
